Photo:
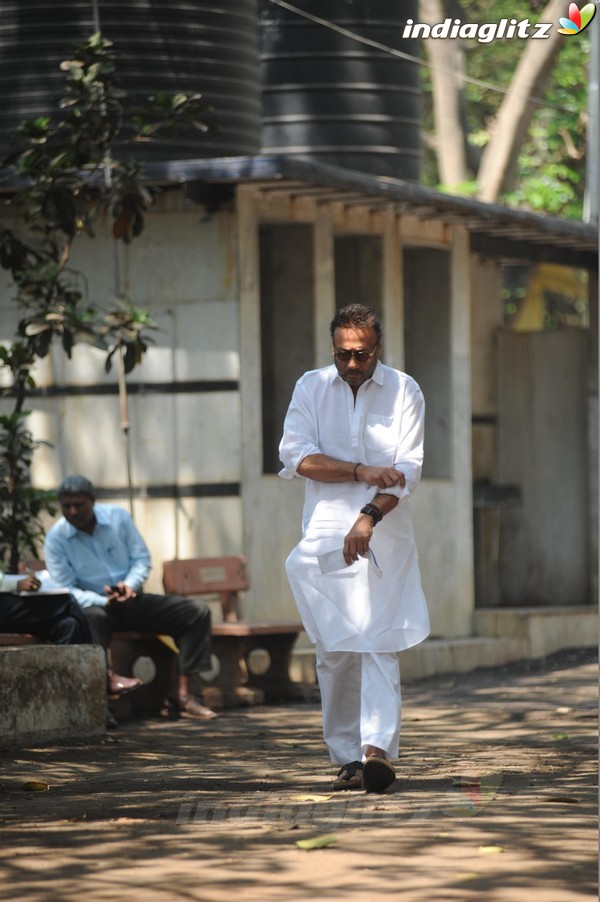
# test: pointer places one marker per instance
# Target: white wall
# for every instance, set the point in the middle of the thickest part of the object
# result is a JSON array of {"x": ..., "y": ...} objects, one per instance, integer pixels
[
  {"x": 442, "y": 506},
  {"x": 444, "y": 559},
  {"x": 183, "y": 270},
  {"x": 544, "y": 548}
]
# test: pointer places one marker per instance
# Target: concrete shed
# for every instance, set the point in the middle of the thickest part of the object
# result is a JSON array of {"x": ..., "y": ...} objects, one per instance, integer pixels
[{"x": 242, "y": 265}]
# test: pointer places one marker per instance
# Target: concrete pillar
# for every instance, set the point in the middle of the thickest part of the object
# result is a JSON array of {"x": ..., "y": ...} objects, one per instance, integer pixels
[{"x": 51, "y": 692}]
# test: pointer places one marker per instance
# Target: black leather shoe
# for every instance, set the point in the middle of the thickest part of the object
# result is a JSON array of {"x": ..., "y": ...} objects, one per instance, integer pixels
[{"x": 378, "y": 774}]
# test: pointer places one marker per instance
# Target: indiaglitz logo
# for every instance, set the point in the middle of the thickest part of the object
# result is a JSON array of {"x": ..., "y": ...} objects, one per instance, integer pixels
[
  {"x": 483, "y": 32},
  {"x": 504, "y": 29},
  {"x": 578, "y": 18}
]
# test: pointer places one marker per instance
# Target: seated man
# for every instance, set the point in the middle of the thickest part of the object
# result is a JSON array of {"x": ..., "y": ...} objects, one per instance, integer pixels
[
  {"x": 57, "y": 618},
  {"x": 97, "y": 552}
]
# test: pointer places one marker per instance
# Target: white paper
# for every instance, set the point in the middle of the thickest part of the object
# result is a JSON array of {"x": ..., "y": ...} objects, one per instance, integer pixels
[
  {"x": 332, "y": 561},
  {"x": 39, "y": 592},
  {"x": 47, "y": 587}
]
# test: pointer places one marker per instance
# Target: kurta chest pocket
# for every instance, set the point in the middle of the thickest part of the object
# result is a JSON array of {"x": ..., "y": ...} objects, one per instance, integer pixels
[{"x": 380, "y": 434}]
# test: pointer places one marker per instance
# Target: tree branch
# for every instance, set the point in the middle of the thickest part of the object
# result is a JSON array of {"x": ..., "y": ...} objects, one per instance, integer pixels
[{"x": 516, "y": 111}]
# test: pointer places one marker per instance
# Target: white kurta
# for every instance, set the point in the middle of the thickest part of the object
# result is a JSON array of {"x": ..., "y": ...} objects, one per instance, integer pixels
[{"x": 354, "y": 609}]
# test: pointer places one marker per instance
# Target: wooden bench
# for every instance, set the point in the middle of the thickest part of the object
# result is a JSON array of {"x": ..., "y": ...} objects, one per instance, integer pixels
[
  {"x": 12, "y": 639},
  {"x": 237, "y": 679},
  {"x": 234, "y": 640}
]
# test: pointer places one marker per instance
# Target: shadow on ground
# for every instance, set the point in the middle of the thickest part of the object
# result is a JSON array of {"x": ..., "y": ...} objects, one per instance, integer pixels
[{"x": 495, "y": 799}]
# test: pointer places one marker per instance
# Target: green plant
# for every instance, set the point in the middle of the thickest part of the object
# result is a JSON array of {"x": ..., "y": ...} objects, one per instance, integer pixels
[
  {"x": 67, "y": 178},
  {"x": 21, "y": 505}
]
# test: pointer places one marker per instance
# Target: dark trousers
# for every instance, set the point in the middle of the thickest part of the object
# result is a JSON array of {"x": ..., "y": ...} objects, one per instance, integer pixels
[
  {"x": 57, "y": 618},
  {"x": 186, "y": 620}
]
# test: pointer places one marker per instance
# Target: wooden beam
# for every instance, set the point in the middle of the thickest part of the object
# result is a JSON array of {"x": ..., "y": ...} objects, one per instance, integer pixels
[
  {"x": 393, "y": 292},
  {"x": 324, "y": 285},
  {"x": 250, "y": 365},
  {"x": 431, "y": 234},
  {"x": 460, "y": 344}
]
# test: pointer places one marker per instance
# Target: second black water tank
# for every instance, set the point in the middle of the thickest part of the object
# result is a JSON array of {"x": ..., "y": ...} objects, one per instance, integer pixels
[{"x": 331, "y": 98}]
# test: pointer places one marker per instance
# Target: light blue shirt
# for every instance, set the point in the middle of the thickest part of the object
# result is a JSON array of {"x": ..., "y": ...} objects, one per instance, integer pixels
[{"x": 85, "y": 563}]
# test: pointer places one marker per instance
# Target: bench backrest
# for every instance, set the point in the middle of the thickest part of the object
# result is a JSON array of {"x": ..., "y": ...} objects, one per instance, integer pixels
[{"x": 222, "y": 576}]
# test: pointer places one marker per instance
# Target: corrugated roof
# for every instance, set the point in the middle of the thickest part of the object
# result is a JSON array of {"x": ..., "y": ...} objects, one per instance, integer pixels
[{"x": 496, "y": 230}]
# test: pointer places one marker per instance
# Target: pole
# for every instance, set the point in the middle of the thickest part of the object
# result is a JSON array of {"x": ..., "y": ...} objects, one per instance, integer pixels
[
  {"x": 125, "y": 426},
  {"x": 590, "y": 202},
  {"x": 123, "y": 400}
]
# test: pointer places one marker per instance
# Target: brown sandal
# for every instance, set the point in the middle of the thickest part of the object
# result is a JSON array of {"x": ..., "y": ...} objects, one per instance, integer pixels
[
  {"x": 187, "y": 706},
  {"x": 350, "y": 776}
]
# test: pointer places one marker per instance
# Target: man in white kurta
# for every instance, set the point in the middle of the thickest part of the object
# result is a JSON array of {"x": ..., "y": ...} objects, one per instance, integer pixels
[{"x": 354, "y": 430}]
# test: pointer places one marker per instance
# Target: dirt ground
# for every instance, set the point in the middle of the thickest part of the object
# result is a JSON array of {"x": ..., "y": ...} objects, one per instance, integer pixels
[{"x": 495, "y": 800}]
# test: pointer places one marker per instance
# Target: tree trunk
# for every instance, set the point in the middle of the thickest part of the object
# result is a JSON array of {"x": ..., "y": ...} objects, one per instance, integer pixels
[
  {"x": 514, "y": 116},
  {"x": 447, "y": 62}
]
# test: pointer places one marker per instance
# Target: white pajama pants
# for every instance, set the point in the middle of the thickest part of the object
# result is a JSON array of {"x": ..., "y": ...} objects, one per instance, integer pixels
[{"x": 361, "y": 702}]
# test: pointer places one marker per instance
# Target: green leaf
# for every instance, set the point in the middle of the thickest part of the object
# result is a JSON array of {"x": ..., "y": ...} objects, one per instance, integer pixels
[{"x": 318, "y": 842}]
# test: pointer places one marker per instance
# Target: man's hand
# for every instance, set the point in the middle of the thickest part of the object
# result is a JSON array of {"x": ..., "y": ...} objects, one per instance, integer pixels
[
  {"x": 29, "y": 584},
  {"x": 382, "y": 477},
  {"x": 119, "y": 593},
  {"x": 356, "y": 542}
]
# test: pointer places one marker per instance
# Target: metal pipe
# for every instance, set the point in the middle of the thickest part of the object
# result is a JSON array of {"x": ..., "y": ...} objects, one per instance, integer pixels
[{"x": 590, "y": 202}]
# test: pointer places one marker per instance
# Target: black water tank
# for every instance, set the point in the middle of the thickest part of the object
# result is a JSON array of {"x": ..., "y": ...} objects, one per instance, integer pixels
[
  {"x": 331, "y": 98},
  {"x": 194, "y": 47}
]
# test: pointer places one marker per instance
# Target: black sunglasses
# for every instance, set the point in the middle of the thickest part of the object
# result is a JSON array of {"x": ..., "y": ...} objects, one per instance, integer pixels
[{"x": 344, "y": 355}]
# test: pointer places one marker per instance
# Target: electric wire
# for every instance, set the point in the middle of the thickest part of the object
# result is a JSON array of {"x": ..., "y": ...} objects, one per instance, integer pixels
[{"x": 488, "y": 86}]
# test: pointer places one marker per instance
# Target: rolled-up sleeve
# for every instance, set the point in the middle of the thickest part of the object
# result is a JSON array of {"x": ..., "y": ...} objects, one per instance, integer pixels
[
  {"x": 409, "y": 450},
  {"x": 299, "y": 433}
]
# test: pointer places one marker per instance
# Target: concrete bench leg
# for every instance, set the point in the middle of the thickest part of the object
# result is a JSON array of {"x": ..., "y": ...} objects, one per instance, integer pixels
[
  {"x": 276, "y": 682},
  {"x": 230, "y": 686},
  {"x": 237, "y": 684}
]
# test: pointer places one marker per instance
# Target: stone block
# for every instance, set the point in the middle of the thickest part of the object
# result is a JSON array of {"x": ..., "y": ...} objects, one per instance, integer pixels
[
  {"x": 502, "y": 635},
  {"x": 542, "y": 630},
  {"x": 51, "y": 693}
]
